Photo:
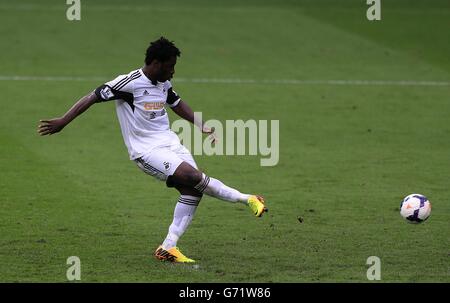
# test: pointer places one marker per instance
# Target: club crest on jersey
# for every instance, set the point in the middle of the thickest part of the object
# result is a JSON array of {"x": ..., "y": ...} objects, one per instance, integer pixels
[
  {"x": 166, "y": 165},
  {"x": 106, "y": 93}
]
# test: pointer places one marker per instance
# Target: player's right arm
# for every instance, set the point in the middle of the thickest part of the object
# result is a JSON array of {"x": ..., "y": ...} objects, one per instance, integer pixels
[
  {"x": 119, "y": 88},
  {"x": 53, "y": 126}
]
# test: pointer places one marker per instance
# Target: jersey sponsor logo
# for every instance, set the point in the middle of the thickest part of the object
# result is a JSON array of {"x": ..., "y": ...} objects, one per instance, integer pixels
[
  {"x": 106, "y": 93},
  {"x": 154, "y": 105}
]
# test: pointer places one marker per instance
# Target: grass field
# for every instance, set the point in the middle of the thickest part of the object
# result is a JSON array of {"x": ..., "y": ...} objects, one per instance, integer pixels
[{"x": 349, "y": 150}]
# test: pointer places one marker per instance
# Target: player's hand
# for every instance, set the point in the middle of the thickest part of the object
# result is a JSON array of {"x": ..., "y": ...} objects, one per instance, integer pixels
[
  {"x": 210, "y": 131},
  {"x": 49, "y": 127}
]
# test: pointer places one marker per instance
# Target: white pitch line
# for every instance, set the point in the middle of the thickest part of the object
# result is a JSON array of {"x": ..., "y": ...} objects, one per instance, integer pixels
[
  {"x": 315, "y": 82},
  {"x": 50, "y": 78},
  {"x": 242, "y": 81},
  {"x": 132, "y": 8}
]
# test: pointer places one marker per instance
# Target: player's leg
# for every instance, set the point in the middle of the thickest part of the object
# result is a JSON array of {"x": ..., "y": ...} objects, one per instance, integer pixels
[
  {"x": 161, "y": 163},
  {"x": 188, "y": 176},
  {"x": 182, "y": 218}
]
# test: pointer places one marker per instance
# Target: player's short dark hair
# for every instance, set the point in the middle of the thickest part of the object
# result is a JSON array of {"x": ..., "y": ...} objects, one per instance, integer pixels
[{"x": 161, "y": 50}]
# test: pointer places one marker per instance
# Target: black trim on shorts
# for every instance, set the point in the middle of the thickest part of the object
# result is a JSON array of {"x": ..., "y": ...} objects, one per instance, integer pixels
[{"x": 148, "y": 166}]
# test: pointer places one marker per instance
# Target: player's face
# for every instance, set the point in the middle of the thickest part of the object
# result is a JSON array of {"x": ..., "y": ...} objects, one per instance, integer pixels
[{"x": 167, "y": 69}]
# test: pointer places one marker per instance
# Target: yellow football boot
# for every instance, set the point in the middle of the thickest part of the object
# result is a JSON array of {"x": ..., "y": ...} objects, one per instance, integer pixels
[
  {"x": 256, "y": 204},
  {"x": 173, "y": 255}
]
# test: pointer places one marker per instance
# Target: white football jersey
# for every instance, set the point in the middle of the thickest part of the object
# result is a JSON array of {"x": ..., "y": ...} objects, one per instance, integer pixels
[{"x": 140, "y": 106}]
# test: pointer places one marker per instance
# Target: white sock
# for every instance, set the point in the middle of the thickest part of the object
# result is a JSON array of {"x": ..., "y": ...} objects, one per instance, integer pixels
[
  {"x": 215, "y": 188},
  {"x": 182, "y": 217}
]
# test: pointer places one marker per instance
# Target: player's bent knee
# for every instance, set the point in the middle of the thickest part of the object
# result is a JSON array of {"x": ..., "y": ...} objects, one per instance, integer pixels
[
  {"x": 189, "y": 191},
  {"x": 185, "y": 175},
  {"x": 170, "y": 182}
]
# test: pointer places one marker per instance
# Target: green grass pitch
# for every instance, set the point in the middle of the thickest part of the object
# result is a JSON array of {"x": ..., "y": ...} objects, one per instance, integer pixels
[{"x": 349, "y": 151}]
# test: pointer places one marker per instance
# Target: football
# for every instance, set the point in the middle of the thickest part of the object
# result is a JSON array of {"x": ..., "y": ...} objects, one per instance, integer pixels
[{"x": 415, "y": 208}]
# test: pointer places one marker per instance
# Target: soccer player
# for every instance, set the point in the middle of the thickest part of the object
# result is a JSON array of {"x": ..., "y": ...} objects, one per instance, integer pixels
[{"x": 141, "y": 98}]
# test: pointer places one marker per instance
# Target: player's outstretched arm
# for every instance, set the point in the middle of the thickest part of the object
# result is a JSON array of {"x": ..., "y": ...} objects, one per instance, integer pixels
[{"x": 53, "y": 126}]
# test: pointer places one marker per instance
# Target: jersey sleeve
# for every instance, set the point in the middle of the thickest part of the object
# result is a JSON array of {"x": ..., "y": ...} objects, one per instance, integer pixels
[
  {"x": 119, "y": 88},
  {"x": 172, "y": 97}
]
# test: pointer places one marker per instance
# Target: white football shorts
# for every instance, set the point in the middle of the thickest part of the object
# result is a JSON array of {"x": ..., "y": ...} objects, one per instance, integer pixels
[{"x": 162, "y": 162}]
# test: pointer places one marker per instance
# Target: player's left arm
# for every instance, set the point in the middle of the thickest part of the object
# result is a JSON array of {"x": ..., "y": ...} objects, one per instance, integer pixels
[{"x": 182, "y": 109}]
